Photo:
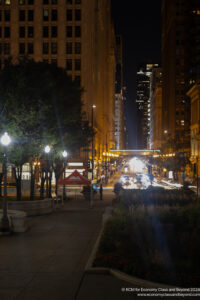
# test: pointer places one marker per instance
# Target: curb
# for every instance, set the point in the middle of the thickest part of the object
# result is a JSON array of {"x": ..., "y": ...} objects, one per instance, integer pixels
[
  {"x": 91, "y": 259},
  {"x": 120, "y": 275}
]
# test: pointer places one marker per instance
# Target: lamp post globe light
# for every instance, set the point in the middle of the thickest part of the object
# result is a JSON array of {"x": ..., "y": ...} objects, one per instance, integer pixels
[
  {"x": 64, "y": 154},
  {"x": 5, "y": 141},
  {"x": 91, "y": 194},
  {"x": 47, "y": 150}
]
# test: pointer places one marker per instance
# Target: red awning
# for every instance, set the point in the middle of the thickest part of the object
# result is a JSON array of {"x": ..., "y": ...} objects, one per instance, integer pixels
[{"x": 74, "y": 179}]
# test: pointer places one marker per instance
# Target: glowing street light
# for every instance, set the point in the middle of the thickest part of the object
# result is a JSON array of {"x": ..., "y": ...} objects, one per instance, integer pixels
[
  {"x": 91, "y": 194},
  {"x": 47, "y": 149},
  {"x": 64, "y": 154},
  {"x": 5, "y": 227},
  {"x": 5, "y": 139}
]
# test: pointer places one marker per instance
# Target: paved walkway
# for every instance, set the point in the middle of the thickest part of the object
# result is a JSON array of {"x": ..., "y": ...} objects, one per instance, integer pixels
[{"x": 48, "y": 261}]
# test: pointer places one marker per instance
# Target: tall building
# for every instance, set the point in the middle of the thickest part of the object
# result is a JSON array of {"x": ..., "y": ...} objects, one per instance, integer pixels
[
  {"x": 181, "y": 65},
  {"x": 120, "y": 129},
  {"x": 156, "y": 109},
  {"x": 194, "y": 94},
  {"x": 143, "y": 104},
  {"x": 78, "y": 36}
]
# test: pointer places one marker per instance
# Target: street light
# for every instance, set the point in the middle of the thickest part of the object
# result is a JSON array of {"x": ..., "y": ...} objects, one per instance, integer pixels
[
  {"x": 5, "y": 141},
  {"x": 64, "y": 154},
  {"x": 47, "y": 150},
  {"x": 91, "y": 195}
]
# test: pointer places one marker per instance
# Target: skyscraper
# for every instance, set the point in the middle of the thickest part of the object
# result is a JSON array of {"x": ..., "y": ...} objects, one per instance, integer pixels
[
  {"x": 156, "y": 109},
  {"x": 76, "y": 35},
  {"x": 120, "y": 130},
  {"x": 143, "y": 104},
  {"x": 181, "y": 65}
]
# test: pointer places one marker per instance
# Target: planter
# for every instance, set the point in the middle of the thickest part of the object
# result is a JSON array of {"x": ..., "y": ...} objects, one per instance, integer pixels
[
  {"x": 17, "y": 219},
  {"x": 33, "y": 208}
]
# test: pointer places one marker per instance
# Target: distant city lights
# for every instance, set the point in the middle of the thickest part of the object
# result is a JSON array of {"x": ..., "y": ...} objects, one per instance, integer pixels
[{"x": 137, "y": 165}]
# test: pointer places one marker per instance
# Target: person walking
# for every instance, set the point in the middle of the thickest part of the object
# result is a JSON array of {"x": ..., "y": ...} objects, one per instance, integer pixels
[{"x": 101, "y": 191}]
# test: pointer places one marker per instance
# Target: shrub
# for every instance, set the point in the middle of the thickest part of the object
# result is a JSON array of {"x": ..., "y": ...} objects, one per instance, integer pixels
[{"x": 159, "y": 247}]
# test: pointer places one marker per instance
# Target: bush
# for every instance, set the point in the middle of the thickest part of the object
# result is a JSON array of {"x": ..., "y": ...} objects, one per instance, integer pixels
[
  {"x": 158, "y": 197},
  {"x": 158, "y": 247}
]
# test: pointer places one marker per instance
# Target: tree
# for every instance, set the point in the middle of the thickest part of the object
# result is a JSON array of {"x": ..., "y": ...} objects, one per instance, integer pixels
[{"x": 39, "y": 105}]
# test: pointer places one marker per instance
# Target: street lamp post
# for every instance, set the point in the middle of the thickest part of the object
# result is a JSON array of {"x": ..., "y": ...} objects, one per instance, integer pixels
[
  {"x": 47, "y": 150},
  {"x": 197, "y": 175},
  {"x": 64, "y": 154},
  {"x": 5, "y": 141},
  {"x": 91, "y": 195}
]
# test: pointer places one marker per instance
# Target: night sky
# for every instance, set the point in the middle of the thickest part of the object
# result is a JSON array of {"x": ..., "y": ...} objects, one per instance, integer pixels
[{"x": 139, "y": 23}]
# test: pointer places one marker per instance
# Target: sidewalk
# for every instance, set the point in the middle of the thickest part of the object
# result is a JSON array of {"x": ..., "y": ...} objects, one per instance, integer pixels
[{"x": 48, "y": 261}]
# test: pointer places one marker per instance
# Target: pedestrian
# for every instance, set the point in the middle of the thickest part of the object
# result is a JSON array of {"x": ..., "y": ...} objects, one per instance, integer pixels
[{"x": 101, "y": 191}]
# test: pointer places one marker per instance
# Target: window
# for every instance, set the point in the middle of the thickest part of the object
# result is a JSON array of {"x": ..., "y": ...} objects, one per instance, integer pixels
[
  {"x": 6, "y": 32},
  {"x": 77, "y": 1},
  {"x": 69, "y": 15},
  {"x": 45, "y": 1},
  {"x": 45, "y": 31},
  {"x": 54, "y": 15},
  {"x": 182, "y": 122},
  {"x": 46, "y": 15},
  {"x": 22, "y": 2},
  {"x": 54, "y": 2},
  {"x": 69, "y": 64},
  {"x": 21, "y": 48},
  {"x": 30, "y": 15},
  {"x": 54, "y": 31},
  {"x": 77, "y": 31},
  {"x": 0, "y": 48},
  {"x": 0, "y": 32},
  {"x": 45, "y": 48},
  {"x": 77, "y": 64},
  {"x": 69, "y": 48},
  {"x": 30, "y": 48},
  {"x": 21, "y": 31},
  {"x": 31, "y": 2},
  {"x": 77, "y": 48},
  {"x": 69, "y": 31},
  {"x": 22, "y": 15},
  {"x": 30, "y": 31},
  {"x": 6, "y": 15},
  {"x": 78, "y": 15},
  {"x": 7, "y": 2},
  {"x": 6, "y": 48},
  {"x": 69, "y": 1},
  {"x": 54, "y": 49}
]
